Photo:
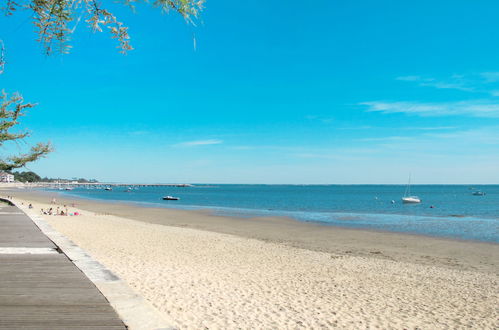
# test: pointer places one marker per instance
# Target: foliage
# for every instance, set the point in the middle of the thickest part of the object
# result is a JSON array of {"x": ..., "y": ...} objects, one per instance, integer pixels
[
  {"x": 30, "y": 176},
  {"x": 11, "y": 108},
  {"x": 83, "y": 180},
  {"x": 26, "y": 176},
  {"x": 55, "y": 20},
  {"x": 59, "y": 180}
]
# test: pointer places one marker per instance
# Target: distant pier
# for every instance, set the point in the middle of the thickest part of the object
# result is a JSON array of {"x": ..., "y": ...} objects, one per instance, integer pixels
[{"x": 105, "y": 184}]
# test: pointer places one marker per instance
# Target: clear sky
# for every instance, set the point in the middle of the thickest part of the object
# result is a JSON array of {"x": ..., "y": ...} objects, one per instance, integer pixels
[{"x": 329, "y": 91}]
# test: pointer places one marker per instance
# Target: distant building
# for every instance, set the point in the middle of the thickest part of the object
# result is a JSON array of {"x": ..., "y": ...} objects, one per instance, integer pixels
[{"x": 6, "y": 177}]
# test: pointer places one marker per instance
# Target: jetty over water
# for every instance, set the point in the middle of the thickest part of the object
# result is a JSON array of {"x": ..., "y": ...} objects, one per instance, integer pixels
[{"x": 106, "y": 184}]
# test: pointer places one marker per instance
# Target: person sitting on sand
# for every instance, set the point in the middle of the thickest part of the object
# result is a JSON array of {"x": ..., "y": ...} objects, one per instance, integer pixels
[
  {"x": 30, "y": 206},
  {"x": 62, "y": 213}
]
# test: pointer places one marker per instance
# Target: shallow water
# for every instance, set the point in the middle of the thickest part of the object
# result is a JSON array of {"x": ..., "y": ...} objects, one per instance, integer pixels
[{"x": 456, "y": 213}]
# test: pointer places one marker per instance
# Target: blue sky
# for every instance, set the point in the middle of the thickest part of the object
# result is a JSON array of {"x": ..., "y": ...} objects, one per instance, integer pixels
[{"x": 273, "y": 92}]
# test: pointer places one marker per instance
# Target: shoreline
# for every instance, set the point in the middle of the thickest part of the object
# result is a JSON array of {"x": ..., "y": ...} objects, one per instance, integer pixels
[
  {"x": 407, "y": 247},
  {"x": 278, "y": 273},
  {"x": 229, "y": 212},
  {"x": 383, "y": 222}
]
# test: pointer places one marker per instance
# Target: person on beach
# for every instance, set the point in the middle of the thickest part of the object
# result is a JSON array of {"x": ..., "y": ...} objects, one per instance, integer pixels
[
  {"x": 30, "y": 206},
  {"x": 53, "y": 201}
]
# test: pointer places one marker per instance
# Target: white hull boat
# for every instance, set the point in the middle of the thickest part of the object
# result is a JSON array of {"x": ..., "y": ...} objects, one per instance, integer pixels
[
  {"x": 408, "y": 199},
  {"x": 411, "y": 199}
]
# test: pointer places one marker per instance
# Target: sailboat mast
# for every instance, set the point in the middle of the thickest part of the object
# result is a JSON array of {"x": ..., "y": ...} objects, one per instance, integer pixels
[{"x": 408, "y": 187}]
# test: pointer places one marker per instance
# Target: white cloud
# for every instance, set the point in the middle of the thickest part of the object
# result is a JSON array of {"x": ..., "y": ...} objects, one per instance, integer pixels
[
  {"x": 138, "y": 132},
  {"x": 413, "y": 128},
  {"x": 477, "y": 108},
  {"x": 199, "y": 143},
  {"x": 386, "y": 138},
  {"x": 364, "y": 127},
  {"x": 324, "y": 120},
  {"x": 409, "y": 78},
  {"x": 478, "y": 82},
  {"x": 430, "y": 128},
  {"x": 354, "y": 155},
  {"x": 455, "y": 82},
  {"x": 243, "y": 147},
  {"x": 447, "y": 85},
  {"x": 441, "y": 144},
  {"x": 490, "y": 77},
  {"x": 482, "y": 136}
]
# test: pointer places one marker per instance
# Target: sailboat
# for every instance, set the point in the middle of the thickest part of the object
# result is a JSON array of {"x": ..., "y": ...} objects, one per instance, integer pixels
[{"x": 408, "y": 199}]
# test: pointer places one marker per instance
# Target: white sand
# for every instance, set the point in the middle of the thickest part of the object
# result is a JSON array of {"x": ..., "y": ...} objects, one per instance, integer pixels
[{"x": 204, "y": 279}]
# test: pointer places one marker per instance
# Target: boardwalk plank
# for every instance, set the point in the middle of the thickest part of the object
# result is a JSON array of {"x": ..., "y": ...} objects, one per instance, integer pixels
[
  {"x": 17, "y": 230},
  {"x": 46, "y": 291},
  {"x": 59, "y": 315},
  {"x": 44, "y": 296}
]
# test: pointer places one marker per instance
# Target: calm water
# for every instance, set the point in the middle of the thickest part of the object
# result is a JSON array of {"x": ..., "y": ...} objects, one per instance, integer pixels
[{"x": 456, "y": 213}]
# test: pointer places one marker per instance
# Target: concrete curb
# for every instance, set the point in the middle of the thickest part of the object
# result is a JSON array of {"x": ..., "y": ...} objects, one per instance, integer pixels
[{"x": 134, "y": 311}]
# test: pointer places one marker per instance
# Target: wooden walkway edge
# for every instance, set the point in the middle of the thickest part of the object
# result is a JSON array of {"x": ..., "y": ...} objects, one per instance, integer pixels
[
  {"x": 44, "y": 290},
  {"x": 47, "y": 282}
]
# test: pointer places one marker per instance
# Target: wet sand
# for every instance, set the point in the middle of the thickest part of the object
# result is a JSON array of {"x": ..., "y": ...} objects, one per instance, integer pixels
[
  {"x": 466, "y": 255},
  {"x": 218, "y": 272}
]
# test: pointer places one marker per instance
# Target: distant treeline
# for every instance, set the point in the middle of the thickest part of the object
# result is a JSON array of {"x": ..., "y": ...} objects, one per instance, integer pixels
[{"x": 33, "y": 177}]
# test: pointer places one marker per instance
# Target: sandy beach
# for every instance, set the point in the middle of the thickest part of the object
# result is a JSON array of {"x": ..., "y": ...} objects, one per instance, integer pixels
[{"x": 204, "y": 271}]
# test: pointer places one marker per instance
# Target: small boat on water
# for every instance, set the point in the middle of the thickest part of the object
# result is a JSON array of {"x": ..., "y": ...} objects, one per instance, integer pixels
[
  {"x": 170, "y": 198},
  {"x": 408, "y": 199},
  {"x": 478, "y": 193},
  {"x": 411, "y": 199},
  {"x": 108, "y": 188}
]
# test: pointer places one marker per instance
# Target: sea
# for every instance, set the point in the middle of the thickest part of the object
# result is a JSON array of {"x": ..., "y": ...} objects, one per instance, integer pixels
[{"x": 450, "y": 211}]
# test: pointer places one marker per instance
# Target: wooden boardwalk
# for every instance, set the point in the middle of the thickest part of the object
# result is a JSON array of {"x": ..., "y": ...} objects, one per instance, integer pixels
[{"x": 41, "y": 288}]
